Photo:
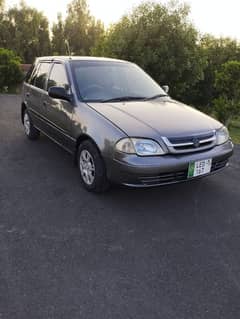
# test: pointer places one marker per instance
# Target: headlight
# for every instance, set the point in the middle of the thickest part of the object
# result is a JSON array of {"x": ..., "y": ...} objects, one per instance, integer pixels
[
  {"x": 142, "y": 147},
  {"x": 126, "y": 146},
  {"x": 222, "y": 135}
]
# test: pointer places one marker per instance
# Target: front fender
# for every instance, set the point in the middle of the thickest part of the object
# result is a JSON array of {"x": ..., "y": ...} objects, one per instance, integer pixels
[{"x": 88, "y": 122}]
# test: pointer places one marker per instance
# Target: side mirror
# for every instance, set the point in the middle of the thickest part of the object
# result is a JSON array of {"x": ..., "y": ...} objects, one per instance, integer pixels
[
  {"x": 58, "y": 93},
  {"x": 165, "y": 88}
]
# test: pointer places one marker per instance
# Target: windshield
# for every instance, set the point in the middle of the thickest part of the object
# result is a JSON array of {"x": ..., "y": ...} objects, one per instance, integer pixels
[{"x": 102, "y": 81}]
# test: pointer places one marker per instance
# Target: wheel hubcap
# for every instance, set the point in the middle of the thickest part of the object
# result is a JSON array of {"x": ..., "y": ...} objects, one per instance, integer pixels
[
  {"x": 87, "y": 167},
  {"x": 26, "y": 121}
]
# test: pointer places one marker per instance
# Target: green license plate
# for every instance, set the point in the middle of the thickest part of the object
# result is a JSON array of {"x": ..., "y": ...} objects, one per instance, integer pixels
[{"x": 199, "y": 168}]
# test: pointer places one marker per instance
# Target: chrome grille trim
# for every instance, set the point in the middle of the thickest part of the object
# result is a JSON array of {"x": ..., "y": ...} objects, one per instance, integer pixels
[{"x": 194, "y": 143}]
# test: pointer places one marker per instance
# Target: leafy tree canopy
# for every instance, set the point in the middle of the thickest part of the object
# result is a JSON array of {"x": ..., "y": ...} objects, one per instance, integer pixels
[
  {"x": 158, "y": 37},
  {"x": 25, "y": 30},
  {"x": 161, "y": 39},
  {"x": 58, "y": 37},
  {"x": 10, "y": 72},
  {"x": 1, "y": 4},
  {"x": 80, "y": 28},
  {"x": 215, "y": 52},
  {"x": 228, "y": 80},
  {"x": 227, "y": 84}
]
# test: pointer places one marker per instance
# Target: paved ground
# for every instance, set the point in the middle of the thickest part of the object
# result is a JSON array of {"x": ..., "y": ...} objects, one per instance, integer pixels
[{"x": 171, "y": 252}]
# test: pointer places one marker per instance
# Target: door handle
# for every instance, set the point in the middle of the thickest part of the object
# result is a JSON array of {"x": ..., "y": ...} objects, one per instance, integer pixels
[
  {"x": 45, "y": 103},
  {"x": 27, "y": 94}
]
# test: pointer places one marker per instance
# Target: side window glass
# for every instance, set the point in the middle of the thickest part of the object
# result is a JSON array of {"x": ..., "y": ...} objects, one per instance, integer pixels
[
  {"x": 58, "y": 77},
  {"x": 29, "y": 73},
  {"x": 33, "y": 75},
  {"x": 42, "y": 75}
]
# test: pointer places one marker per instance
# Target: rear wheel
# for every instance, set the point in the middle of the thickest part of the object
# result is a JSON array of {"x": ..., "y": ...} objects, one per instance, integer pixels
[
  {"x": 92, "y": 168},
  {"x": 31, "y": 132}
]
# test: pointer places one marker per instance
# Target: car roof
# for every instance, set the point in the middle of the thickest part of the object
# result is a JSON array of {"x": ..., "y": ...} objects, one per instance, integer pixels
[{"x": 78, "y": 58}]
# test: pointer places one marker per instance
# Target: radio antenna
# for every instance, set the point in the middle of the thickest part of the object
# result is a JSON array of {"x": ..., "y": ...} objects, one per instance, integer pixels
[{"x": 68, "y": 48}]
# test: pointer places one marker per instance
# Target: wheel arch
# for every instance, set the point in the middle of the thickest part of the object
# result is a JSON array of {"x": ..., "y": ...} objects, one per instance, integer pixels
[{"x": 84, "y": 137}]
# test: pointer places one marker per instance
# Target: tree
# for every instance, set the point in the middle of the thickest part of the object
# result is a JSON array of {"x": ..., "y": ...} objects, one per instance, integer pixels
[
  {"x": 58, "y": 37},
  {"x": 25, "y": 30},
  {"x": 1, "y": 4},
  {"x": 227, "y": 84},
  {"x": 81, "y": 29},
  {"x": 215, "y": 52},
  {"x": 161, "y": 40},
  {"x": 10, "y": 72}
]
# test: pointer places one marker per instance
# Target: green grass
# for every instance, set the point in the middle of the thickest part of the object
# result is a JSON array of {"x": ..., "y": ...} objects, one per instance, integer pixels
[{"x": 235, "y": 131}]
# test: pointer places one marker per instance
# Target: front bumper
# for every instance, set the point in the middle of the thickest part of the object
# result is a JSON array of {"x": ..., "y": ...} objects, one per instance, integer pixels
[{"x": 136, "y": 171}]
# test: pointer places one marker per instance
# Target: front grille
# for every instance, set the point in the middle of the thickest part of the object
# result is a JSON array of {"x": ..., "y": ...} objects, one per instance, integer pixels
[
  {"x": 190, "y": 144},
  {"x": 164, "y": 178},
  {"x": 188, "y": 139},
  {"x": 175, "y": 177}
]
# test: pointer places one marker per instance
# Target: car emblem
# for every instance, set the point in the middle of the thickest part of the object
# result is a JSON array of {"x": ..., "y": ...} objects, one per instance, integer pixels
[{"x": 196, "y": 142}]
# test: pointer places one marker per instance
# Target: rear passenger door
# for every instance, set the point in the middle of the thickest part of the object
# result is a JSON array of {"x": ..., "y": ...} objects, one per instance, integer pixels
[
  {"x": 36, "y": 93},
  {"x": 59, "y": 112}
]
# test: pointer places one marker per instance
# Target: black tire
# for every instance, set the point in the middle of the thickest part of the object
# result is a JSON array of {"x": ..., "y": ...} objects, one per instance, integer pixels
[
  {"x": 31, "y": 131},
  {"x": 100, "y": 182}
]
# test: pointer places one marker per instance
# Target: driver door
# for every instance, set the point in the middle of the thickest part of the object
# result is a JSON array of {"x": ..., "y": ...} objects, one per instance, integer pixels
[{"x": 59, "y": 112}]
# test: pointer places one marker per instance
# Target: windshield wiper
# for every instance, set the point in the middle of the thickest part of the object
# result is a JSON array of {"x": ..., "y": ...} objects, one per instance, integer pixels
[
  {"x": 125, "y": 98},
  {"x": 155, "y": 97}
]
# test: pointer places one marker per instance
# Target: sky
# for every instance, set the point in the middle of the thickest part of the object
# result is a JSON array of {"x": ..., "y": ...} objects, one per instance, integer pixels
[{"x": 218, "y": 17}]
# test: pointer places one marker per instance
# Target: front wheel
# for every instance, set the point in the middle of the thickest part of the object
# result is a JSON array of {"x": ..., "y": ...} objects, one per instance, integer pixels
[
  {"x": 92, "y": 168},
  {"x": 31, "y": 132}
]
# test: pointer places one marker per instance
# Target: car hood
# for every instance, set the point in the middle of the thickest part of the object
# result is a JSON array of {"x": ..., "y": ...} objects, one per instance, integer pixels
[{"x": 148, "y": 118}]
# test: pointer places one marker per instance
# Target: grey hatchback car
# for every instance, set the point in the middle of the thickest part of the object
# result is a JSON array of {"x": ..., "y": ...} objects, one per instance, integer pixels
[{"x": 119, "y": 124}]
